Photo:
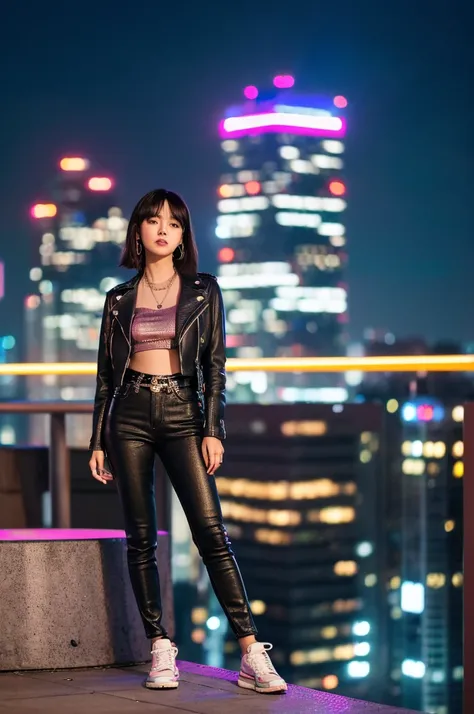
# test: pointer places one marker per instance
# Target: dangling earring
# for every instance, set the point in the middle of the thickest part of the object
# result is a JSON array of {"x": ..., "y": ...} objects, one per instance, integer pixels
[
  {"x": 181, "y": 254},
  {"x": 139, "y": 247}
]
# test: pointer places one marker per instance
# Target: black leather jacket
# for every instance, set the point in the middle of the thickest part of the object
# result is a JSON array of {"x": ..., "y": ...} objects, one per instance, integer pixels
[{"x": 200, "y": 336}]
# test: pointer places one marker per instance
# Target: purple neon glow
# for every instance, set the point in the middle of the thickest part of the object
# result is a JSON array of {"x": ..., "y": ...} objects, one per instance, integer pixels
[
  {"x": 38, "y": 534},
  {"x": 283, "y": 81},
  {"x": 251, "y": 92},
  {"x": 307, "y": 124}
]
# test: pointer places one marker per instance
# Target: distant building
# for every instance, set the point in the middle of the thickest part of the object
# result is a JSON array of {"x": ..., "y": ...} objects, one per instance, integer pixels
[
  {"x": 282, "y": 238},
  {"x": 302, "y": 491},
  {"x": 424, "y": 529},
  {"x": 78, "y": 235}
]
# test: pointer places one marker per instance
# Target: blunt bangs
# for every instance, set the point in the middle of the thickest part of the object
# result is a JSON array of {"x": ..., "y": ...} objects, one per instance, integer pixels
[
  {"x": 148, "y": 207},
  {"x": 152, "y": 203}
]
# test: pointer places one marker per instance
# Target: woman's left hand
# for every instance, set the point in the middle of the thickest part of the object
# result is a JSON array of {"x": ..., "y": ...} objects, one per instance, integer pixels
[{"x": 213, "y": 453}]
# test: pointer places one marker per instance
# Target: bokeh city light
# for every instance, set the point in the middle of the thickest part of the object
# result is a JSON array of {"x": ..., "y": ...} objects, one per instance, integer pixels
[
  {"x": 251, "y": 92},
  {"x": 44, "y": 210},
  {"x": 283, "y": 81},
  {"x": 98, "y": 183},
  {"x": 74, "y": 163}
]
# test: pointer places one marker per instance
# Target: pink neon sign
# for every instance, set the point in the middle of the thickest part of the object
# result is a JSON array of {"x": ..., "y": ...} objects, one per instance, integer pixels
[
  {"x": 340, "y": 102},
  {"x": 307, "y": 124},
  {"x": 251, "y": 92},
  {"x": 283, "y": 81}
]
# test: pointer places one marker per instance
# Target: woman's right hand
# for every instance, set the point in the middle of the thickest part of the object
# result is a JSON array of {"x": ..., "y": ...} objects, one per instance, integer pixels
[{"x": 96, "y": 465}]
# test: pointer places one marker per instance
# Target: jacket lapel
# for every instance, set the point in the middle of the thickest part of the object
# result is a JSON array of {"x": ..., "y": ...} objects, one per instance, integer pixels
[
  {"x": 191, "y": 300},
  {"x": 124, "y": 306}
]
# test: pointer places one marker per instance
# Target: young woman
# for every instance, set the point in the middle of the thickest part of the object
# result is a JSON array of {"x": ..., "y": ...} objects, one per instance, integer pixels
[{"x": 161, "y": 390}]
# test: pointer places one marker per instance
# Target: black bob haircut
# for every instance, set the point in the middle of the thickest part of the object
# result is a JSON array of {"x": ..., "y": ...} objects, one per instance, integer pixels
[{"x": 148, "y": 207}]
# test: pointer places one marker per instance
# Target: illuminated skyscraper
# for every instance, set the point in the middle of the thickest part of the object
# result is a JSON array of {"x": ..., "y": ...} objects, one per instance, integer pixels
[
  {"x": 79, "y": 233},
  {"x": 424, "y": 527},
  {"x": 302, "y": 493},
  {"x": 427, "y": 646},
  {"x": 280, "y": 225}
]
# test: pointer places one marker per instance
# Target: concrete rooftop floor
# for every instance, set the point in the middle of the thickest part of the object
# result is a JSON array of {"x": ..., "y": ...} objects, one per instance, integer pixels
[{"x": 120, "y": 690}]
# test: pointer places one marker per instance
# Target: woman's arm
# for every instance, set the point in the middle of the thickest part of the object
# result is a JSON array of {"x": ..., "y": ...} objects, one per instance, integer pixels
[
  {"x": 104, "y": 380},
  {"x": 213, "y": 365}
]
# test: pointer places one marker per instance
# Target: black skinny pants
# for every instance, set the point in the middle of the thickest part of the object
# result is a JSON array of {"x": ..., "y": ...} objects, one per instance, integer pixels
[{"x": 141, "y": 424}]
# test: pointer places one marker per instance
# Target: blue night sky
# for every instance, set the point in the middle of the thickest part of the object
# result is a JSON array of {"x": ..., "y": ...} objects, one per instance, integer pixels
[{"x": 139, "y": 88}]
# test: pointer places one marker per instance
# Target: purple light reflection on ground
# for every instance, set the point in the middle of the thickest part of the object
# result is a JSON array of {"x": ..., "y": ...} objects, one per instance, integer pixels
[
  {"x": 38, "y": 534},
  {"x": 297, "y": 698}
]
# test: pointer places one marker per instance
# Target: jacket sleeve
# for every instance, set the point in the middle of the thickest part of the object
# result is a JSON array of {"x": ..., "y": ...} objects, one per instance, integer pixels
[
  {"x": 213, "y": 364},
  {"x": 104, "y": 380}
]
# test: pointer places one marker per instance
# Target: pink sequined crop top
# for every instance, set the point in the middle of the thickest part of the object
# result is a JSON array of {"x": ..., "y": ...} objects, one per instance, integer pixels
[{"x": 154, "y": 329}]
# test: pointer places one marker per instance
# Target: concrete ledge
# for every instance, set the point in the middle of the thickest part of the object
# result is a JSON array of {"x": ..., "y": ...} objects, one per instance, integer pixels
[{"x": 66, "y": 599}]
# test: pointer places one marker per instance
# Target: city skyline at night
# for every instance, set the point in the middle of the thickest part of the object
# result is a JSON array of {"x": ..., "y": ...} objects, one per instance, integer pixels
[
  {"x": 324, "y": 153},
  {"x": 281, "y": 238},
  {"x": 408, "y": 224},
  {"x": 77, "y": 237}
]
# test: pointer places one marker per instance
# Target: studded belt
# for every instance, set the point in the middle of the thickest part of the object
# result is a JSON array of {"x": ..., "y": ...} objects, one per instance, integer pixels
[{"x": 158, "y": 383}]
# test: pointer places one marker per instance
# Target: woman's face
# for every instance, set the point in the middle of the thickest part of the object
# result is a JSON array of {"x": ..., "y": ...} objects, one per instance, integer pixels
[{"x": 161, "y": 234}]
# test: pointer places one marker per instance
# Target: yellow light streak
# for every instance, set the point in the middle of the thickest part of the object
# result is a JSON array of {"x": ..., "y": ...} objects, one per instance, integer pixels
[{"x": 417, "y": 363}]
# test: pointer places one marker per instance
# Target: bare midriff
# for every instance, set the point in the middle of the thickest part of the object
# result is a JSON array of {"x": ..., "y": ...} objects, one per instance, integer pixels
[
  {"x": 156, "y": 362},
  {"x": 160, "y": 358}
]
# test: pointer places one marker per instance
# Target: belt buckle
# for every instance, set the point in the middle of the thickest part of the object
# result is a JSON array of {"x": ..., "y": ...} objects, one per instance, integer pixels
[{"x": 155, "y": 385}]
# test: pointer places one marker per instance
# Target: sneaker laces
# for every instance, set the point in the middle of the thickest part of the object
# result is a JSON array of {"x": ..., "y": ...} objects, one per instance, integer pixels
[
  {"x": 164, "y": 659},
  {"x": 261, "y": 662}
]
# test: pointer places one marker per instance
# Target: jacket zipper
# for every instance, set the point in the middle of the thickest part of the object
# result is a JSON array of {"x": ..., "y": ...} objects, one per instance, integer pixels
[
  {"x": 193, "y": 321},
  {"x": 198, "y": 340},
  {"x": 129, "y": 349},
  {"x": 110, "y": 346},
  {"x": 186, "y": 330},
  {"x": 198, "y": 366}
]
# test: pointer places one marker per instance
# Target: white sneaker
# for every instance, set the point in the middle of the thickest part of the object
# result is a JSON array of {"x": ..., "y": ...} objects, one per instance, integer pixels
[
  {"x": 164, "y": 673},
  {"x": 257, "y": 671}
]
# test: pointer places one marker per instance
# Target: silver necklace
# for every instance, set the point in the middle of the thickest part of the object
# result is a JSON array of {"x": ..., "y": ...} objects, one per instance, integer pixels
[
  {"x": 160, "y": 286},
  {"x": 167, "y": 287}
]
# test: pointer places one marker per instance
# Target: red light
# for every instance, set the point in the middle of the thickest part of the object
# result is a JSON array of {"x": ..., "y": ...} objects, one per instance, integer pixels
[
  {"x": 337, "y": 188},
  {"x": 99, "y": 183},
  {"x": 330, "y": 681},
  {"x": 340, "y": 102},
  {"x": 44, "y": 210},
  {"x": 32, "y": 302},
  {"x": 226, "y": 255},
  {"x": 252, "y": 187},
  {"x": 425, "y": 412},
  {"x": 234, "y": 340}
]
